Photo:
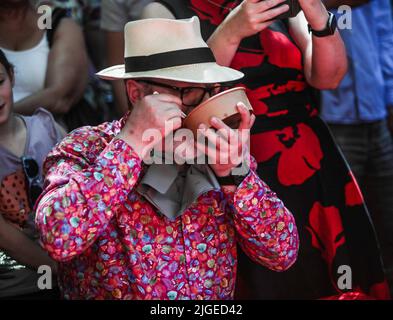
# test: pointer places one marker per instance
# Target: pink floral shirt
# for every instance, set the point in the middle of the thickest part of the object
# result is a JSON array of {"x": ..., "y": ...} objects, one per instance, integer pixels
[{"x": 113, "y": 244}]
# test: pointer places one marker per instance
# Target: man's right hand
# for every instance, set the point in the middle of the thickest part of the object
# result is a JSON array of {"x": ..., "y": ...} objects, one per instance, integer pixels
[
  {"x": 157, "y": 111},
  {"x": 251, "y": 17}
]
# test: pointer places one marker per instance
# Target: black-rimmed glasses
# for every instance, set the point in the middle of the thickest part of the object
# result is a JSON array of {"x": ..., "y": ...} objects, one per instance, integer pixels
[
  {"x": 32, "y": 174},
  {"x": 191, "y": 96}
]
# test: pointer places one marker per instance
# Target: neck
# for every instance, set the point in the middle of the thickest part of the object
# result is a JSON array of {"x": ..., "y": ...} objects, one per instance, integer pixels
[{"x": 9, "y": 128}]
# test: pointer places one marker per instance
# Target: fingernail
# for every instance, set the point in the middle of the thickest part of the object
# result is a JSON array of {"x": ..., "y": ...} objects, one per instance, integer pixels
[{"x": 155, "y": 92}]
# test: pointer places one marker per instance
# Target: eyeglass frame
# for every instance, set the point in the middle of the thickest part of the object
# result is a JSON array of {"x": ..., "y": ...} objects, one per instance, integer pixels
[
  {"x": 181, "y": 90},
  {"x": 32, "y": 180}
]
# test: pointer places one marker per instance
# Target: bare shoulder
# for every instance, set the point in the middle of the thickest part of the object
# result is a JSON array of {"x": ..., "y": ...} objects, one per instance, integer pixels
[{"x": 156, "y": 10}]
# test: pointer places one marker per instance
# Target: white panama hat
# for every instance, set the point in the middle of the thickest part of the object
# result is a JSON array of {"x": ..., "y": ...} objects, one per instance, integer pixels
[{"x": 168, "y": 49}]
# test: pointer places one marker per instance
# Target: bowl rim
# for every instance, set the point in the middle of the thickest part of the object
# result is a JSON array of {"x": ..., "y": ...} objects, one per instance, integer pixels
[{"x": 213, "y": 98}]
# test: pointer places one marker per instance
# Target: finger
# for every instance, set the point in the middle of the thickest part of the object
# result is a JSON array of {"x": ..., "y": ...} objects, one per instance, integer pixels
[
  {"x": 212, "y": 154},
  {"x": 215, "y": 140},
  {"x": 170, "y": 105},
  {"x": 252, "y": 121},
  {"x": 271, "y": 14},
  {"x": 164, "y": 107},
  {"x": 245, "y": 116},
  {"x": 265, "y": 5},
  {"x": 170, "y": 112},
  {"x": 172, "y": 125},
  {"x": 165, "y": 97},
  {"x": 224, "y": 130},
  {"x": 264, "y": 25}
]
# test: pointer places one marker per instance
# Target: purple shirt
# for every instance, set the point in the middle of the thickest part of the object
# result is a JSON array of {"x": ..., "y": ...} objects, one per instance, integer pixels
[{"x": 42, "y": 135}]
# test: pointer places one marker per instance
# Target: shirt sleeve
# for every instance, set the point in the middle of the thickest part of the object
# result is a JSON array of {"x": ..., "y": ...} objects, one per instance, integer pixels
[
  {"x": 266, "y": 229},
  {"x": 82, "y": 194},
  {"x": 384, "y": 20}
]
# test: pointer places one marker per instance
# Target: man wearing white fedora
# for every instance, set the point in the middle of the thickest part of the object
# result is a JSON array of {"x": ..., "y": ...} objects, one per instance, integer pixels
[{"x": 122, "y": 229}]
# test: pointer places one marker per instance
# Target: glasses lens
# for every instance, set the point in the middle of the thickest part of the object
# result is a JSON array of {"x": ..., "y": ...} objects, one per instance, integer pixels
[
  {"x": 35, "y": 191},
  {"x": 193, "y": 96},
  {"x": 31, "y": 167}
]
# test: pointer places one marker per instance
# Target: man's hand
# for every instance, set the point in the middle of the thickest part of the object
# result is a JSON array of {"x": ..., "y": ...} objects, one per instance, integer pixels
[
  {"x": 251, "y": 17},
  {"x": 227, "y": 147},
  {"x": 315, "y": 13},
  {"x": 158, "y": 111}
]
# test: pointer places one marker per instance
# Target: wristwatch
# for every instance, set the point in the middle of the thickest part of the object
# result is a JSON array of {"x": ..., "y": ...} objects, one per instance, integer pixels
[
  {"x": 232, "y": 179},
  {"x": 329, "y": 30}
]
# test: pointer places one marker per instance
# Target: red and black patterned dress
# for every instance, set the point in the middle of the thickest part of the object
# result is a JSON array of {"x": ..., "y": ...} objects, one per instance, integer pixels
[{"x": 300, "y": 161}]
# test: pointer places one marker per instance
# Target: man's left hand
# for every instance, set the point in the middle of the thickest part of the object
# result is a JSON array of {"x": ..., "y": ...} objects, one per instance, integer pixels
[{"x": 227, "y": 148}]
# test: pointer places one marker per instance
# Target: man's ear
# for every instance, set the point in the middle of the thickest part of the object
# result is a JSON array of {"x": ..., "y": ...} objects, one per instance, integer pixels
[{"x": 135, "y": 90}]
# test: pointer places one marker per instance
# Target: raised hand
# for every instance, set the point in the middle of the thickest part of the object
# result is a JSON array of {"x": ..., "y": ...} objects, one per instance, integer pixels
[{"x": 160, "y": 112}]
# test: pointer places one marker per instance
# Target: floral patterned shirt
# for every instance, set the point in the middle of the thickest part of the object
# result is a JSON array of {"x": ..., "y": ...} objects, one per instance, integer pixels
[{"x": 113, "y": 244}]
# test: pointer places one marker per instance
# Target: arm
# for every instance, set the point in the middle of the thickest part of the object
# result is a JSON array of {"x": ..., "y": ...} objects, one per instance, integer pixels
[
  {"x": 66, "y": 75},
  {"x": 325, "y": 61},
  {"x": 22, "y": 248},
  {"x": 82, "y": 195},
  {"x": 333, "y": 4},
  {"x": 115, "y": 56},
  {"x": 247, "y": 19},
  {"x": 266, "y": 230}
]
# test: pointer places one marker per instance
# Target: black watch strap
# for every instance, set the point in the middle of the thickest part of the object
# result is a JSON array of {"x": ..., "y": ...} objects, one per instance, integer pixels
[{"x": 329, "y": 30}]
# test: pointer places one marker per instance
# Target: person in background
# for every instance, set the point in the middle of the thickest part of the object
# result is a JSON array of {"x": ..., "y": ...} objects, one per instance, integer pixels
[
  {"x": 360, "y": 114},
  {"x": 96, "y": 105},
  {"x": 114, "y": 15},
  {"x": 296, "y": 154},
  {"x": 49, "y": 72},
  {"x": 24, "y": 143}
]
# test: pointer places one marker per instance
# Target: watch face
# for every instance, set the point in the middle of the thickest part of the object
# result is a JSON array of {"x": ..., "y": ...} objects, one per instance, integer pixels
[
  {"x": 333, "y": 23},
  {"x": 330, "y": 27}
]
